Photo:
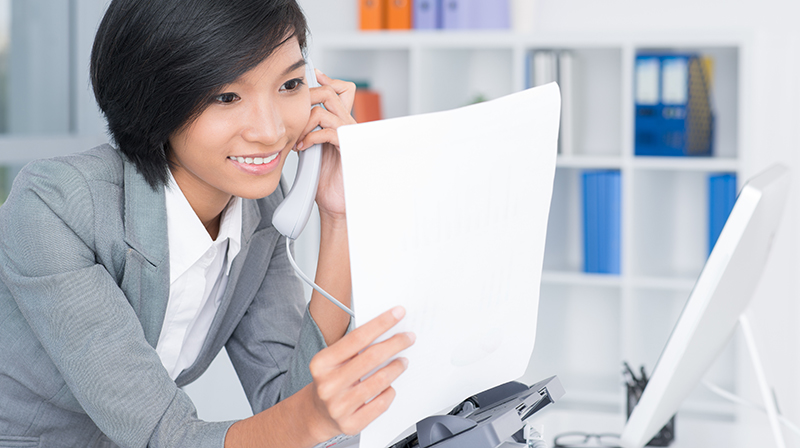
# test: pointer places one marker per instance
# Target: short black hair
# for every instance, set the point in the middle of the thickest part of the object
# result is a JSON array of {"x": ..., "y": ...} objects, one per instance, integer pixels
[{"x": 156, "y": 64}]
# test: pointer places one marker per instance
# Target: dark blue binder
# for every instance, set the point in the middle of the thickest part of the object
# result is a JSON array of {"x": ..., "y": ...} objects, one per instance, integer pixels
[
  {"x": 673, "y": 109},
  {"x": 721, "y": 197}
]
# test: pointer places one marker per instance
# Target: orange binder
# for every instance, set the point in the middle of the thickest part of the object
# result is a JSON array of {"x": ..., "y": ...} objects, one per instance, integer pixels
[
  {"x": 398, "y": 15},
  {"x": 373, "y": 14},
  {"x": 367, "y": 106}
]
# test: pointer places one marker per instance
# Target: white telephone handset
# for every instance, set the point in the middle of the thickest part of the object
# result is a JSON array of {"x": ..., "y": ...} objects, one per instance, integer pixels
[{"x": 291, "y": 215}]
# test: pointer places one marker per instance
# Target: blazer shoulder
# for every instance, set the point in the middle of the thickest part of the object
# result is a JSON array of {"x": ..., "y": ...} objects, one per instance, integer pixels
[{"x": 103, "y": 163}]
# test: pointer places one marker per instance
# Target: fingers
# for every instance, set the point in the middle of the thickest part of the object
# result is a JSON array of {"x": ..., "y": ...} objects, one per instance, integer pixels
[
  {"x": 337, "y": 96},
  {"x": 348, "y": 402},
  {"x": 358, "y": 339},
  {"x": 377, "y": 355},
  {"x": 328, "y": 122},
  {"x": 379, "y": 381},
  {"x": 369, "y": 412},
  {"x": 344, "y": 89}
]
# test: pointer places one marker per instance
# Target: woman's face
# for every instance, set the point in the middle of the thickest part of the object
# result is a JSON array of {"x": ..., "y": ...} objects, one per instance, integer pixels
[{"x": 239, "y": 143}]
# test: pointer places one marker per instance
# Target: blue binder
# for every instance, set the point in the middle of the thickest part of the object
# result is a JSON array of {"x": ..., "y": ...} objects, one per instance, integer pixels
[
  {"x": 721, "y": 197},
  {"x": 614, "y": 231},
  {"x": 673, "y": 106},
  {"x": 427, "y": 14},
  {"x": 591, "y": 234},
  {"x": 601, "y": 223}
]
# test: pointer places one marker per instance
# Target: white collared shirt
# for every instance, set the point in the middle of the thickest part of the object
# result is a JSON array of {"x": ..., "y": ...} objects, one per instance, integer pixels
[{"x": 198, "y": 273}]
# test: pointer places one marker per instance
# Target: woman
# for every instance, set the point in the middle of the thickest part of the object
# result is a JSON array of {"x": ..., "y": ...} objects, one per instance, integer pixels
[{"x": 124, "y": 270}]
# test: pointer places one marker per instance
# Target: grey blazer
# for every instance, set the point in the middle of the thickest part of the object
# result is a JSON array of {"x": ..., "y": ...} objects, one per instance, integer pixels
[{"x": 84, "y": 283}]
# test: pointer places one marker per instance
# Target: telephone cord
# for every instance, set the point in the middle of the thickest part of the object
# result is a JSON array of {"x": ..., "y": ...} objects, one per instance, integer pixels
[{"x": 314, "y": 285}]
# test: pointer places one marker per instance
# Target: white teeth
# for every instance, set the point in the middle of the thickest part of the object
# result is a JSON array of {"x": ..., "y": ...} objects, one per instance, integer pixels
[{"x": 255, "y": 160}]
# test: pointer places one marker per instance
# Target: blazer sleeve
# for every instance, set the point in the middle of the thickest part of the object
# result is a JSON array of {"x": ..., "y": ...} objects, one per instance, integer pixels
[
  {"x": 83, "y": 319},
  {"x": 275, "y": 340}
]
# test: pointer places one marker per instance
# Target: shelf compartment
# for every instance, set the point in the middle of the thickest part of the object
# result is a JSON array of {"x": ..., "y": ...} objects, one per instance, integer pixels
[
  {"x": 596, "y": 91},
  {"x": 724, "y": 93},
  {"x": 449, "y": 78},
  {"x": 578, "y": 338},
  {"x": 385, "y": 70},
  {"x": 670, "y": 227}
]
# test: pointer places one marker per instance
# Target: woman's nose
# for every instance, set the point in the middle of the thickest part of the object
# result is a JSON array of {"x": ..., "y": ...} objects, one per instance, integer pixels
[{"x": 264, "y": 125}]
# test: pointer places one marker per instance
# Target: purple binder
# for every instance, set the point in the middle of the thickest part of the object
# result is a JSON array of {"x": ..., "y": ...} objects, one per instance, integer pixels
[
  {"x": 427, "y": 14},
  {"x": 455, "y": 14},
  {"x": 489, "y": 14},
  {"x": 475, "y": 14}
]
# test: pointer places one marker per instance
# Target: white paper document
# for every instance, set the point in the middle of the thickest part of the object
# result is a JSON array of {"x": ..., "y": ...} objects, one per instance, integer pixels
[{"x": 447, "y": 216}]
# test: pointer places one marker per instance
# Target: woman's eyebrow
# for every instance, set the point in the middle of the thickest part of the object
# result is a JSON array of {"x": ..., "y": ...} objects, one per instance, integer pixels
[{"x": 294, "y": 67}]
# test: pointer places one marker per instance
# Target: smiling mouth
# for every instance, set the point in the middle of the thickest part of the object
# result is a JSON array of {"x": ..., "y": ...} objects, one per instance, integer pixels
[{"x": 255, "y": 160}]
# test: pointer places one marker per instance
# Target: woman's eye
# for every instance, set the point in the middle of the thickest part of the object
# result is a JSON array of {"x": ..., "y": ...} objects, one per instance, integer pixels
[
  {"x": 293, "y": 84},
  {"x": 226, "y": 98}
]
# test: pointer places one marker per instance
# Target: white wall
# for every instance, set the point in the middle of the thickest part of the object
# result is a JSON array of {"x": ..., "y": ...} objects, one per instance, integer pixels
[
  {"x": 775, "y": 94},
  {"x": 773, "y": 81}
]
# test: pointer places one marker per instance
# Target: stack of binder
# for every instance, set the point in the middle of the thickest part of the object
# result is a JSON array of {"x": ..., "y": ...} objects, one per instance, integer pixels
[
  {"x": 385, "y": 14},
  {"x": 601, "y": 221},
  {"x": 721, "y": 197},
  {"x": 674, "y": 115},
  {"x": 434, "y": 14}
]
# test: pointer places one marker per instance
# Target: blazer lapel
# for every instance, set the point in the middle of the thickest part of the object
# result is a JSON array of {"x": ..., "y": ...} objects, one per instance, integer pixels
[
  {"x": 146, "y": 235},
  {"x": 256, "y": 252}
]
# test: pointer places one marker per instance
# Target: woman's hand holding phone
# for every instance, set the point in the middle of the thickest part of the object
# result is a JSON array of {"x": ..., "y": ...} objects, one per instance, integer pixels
[{"x": 337, "y": 96}]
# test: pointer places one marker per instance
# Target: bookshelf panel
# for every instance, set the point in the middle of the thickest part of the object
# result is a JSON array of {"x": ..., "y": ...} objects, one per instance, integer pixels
[
  {"x": 385, "y": 70},
  {"x": 456, "y": 77},
  {"x": 578, "y": 338}
]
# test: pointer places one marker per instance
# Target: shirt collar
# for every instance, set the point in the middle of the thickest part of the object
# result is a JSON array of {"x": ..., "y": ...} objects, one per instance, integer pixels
[{"x": 188, "y": 238}]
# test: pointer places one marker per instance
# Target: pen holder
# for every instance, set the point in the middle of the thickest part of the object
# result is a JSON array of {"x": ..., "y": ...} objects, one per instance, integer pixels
[{"x": 634, "y": 390}]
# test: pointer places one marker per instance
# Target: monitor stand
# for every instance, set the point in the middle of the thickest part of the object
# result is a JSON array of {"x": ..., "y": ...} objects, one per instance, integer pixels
[{"x": 761, "y": 377}]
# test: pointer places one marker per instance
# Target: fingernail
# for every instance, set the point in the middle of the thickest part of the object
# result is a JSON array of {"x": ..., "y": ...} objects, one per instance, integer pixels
[
  {"x": 316, "y": 70},
  {"x": 398, "y": 312},
  {"x": 299, "y": 145},
  {"x": 411, "y": 336},
  {"x": 404, "y": 361}
]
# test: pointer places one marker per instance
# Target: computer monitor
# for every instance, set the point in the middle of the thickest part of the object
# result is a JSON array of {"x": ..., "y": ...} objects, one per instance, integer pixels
[{"x": 720, "y": 296}]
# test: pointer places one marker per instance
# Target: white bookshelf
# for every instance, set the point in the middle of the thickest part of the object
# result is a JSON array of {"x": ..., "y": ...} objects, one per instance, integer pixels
[{"x": 588, "y": 323}]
